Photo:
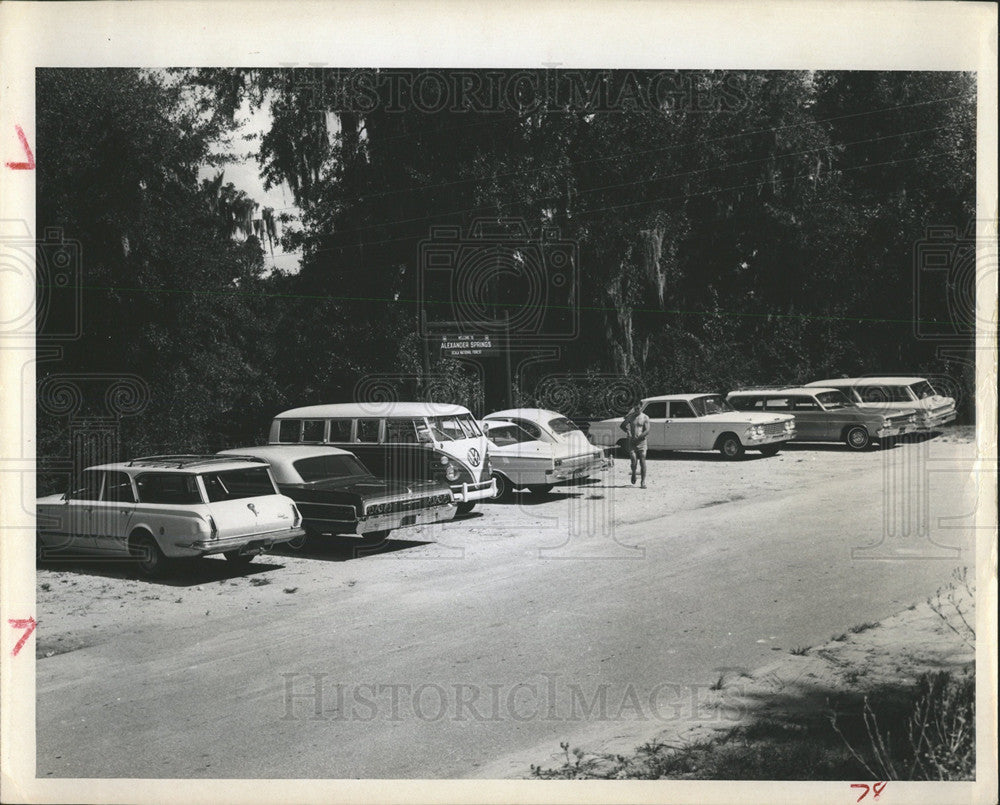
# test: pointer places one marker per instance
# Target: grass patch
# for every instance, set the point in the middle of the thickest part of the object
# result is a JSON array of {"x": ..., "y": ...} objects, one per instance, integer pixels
[
  {"x": 863, "y": 627},
  {"x": 800, "y": 651},
  {"x": 925, "y": 732}
]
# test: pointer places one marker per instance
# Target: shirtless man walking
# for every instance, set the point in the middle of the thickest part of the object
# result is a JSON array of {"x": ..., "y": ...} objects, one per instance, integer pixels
[{"x": 636, "y": 427}]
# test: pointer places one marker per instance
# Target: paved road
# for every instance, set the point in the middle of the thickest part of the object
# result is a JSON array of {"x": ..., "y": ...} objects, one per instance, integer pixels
[{"x": 599, "y": 611}]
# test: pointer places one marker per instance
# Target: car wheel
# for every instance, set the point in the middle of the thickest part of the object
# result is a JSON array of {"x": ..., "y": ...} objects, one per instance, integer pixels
[
  {"x": 375, "y": 537},
  {"x": 148, "y": 557},
  {"x": 464, "y": 508},
  {"x": 540, "y": 489},
  {"x": 504, "y": 487},
  {"x": 730, "y": 447},
  {"x": 857, "y": 438},
  {"x": 769, "y": 451},
  {"x": 239, "y": 559}
]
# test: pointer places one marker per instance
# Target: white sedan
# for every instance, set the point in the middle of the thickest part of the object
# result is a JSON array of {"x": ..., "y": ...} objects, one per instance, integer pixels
[
  {"x": 702, "y": 422},
  {"x": 537, "y": 449}
]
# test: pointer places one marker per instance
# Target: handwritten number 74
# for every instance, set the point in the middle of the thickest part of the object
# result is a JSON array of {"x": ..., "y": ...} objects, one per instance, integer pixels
[{"x": 874, "y": 788}]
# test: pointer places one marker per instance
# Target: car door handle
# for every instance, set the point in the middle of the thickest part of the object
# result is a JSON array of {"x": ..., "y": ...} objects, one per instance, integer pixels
[{"x": 123, "y": 511}]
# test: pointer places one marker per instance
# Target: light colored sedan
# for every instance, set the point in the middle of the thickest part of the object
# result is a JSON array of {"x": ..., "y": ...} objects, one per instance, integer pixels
[
  {"x": 550, "y": 450},
  {"x": 702, "y": 422}
]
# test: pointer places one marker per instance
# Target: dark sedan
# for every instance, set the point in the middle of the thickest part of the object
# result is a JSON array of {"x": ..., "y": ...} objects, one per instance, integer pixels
[{"x": 338, "y": 495}]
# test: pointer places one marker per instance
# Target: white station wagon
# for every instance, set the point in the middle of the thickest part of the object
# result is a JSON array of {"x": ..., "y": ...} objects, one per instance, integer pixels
[
  {"x": 702, "y": 422},
  {"x": 167, "y": 507},
  {"x": 891, "y": 395}
]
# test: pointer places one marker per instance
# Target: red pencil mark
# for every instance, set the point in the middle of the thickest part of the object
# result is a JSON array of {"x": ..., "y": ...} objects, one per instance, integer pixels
[
  {"x": 23, "y": 166},
  {"x": 876, "y": 788},
  {"x": 28, "y": 624}
]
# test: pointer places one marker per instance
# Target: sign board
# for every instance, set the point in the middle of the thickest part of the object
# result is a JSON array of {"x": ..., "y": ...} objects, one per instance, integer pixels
[{"x": 463, "y": 346}]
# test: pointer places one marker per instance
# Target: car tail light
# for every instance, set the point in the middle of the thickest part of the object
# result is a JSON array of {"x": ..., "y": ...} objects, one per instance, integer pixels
[
  {"x": 213, "y": 528},
  {"x": 297, "y": 516}
]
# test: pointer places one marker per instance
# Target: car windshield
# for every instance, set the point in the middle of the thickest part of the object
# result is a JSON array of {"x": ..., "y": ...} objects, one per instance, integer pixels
[
  {"x": 504, "y": 435},
  {"x": 469, "y": 425},
  {"x": 561, "y": 425},
  {"x": 831, "y": 400},
  {"x": 453, "y": 428},
  {"x": 236, "y": 484},
  {"x": 923, "y": 390},
  {"x": 329, "y": 467},
  {"x": 711, "y": 404}
]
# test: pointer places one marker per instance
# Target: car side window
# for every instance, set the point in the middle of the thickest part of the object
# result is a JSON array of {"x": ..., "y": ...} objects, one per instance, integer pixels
[
  {"x": 400, "y": 431},
  {"x": 656, "y": 410},
  {"x": 368, "y": 430},
  {"x": 680, "y": 410},
  {"x": 87, "y": 487},
  {"x": 530, "y": 427},
  {"x": 312, "y": 430},
  {"x": 118, "y": 488},
  {"x": 779, "y": 404},
  {"x": 156, "y": 487},
  {"x": 289, "y": 430},
  {"x": 340, "y": 430},
  {"x": 806, "y": 404}
]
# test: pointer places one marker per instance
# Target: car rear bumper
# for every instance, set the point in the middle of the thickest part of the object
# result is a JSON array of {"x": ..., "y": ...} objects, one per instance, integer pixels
[
  {"x": 566, "y": 474},
  {"x": 248, "y": 543},
  {"x": 405, "y": 519}
]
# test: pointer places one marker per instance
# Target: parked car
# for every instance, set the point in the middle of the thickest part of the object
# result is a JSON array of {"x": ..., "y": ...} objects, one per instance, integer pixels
[
  {"x": 401, "y": 441},
  {"x": 892, "y": 394},
  {"x": 827, "y": 415},
  {"x": 520, "y": 461},
  {"x": 338, "y": 495},
  {"x": 573, "y": 455},
  {"x": 159, "y": 508},
  {"x": 702, "y": 422}
]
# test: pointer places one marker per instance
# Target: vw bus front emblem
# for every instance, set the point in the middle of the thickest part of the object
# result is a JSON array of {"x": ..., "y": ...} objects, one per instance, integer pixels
[{"x": 474, "y": 457}]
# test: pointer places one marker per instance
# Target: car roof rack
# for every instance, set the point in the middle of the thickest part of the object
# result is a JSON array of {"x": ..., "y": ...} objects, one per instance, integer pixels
[{"x": 184, "y": 461}]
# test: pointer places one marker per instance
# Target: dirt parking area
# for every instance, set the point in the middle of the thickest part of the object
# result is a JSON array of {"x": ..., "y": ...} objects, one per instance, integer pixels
[{"x": 470, "y": 649}]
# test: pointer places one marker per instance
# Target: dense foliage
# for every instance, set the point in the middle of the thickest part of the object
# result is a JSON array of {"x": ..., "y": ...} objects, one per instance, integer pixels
[{"x": 757, "y": 228}]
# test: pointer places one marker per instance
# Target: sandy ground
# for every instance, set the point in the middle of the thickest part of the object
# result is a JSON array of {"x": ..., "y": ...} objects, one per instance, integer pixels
[{"x": 474, "y": 648}]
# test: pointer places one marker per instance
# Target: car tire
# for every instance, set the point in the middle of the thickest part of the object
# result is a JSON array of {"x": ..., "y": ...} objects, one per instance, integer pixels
[
  {"x": 375, "y": 537},
  {"x": 730, "y": 447},
  {"x": 148, "y": 558},
  {"x": 539, "y": 489},
  {"x": 857, "y": 438},
  {"x": 239, "y": 559},
  {"x": 769, "y": 451},
  {"x": 504, "y": 487},
  {"x": 464, "y": 508}
]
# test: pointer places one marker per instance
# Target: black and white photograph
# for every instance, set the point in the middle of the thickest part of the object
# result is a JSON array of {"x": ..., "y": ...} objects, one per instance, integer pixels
[{"x": 604, "y": 427}]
